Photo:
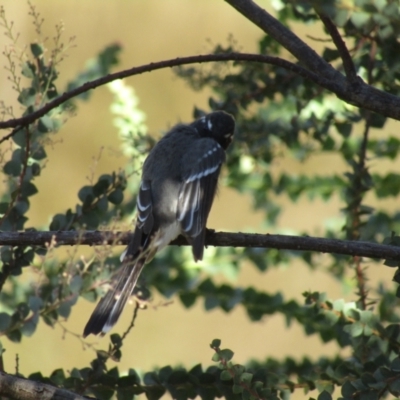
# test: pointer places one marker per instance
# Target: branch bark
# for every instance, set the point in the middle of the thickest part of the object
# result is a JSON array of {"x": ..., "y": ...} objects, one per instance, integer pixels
[
  {"x": 271, "y": 26},
  {"x": 27, "y": 119},
  {"x": 353, "y": 91},
  {"x": 348, "y": 64},
  {"x": 218, "y": 239},
  {"x": 18, "y": 388}
]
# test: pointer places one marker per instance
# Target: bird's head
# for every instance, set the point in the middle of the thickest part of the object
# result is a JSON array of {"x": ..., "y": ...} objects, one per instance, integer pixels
[{"x": 218, "y": 125}]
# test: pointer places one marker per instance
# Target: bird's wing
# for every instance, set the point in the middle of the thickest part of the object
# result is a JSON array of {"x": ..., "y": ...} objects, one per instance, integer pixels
[
  {"x": 198, "y": 189},
  {"x": 133, "y": 259}
]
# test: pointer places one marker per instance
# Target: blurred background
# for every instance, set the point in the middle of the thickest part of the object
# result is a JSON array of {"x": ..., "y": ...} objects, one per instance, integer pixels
[{"x": 154, "y": 30}]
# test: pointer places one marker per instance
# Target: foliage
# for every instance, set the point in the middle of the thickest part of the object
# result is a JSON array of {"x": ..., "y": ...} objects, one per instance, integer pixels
[{"x": 278, "y": 114}]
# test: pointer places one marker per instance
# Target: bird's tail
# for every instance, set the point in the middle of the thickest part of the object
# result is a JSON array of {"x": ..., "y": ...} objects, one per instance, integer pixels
[{"x": 110, "y": 307}]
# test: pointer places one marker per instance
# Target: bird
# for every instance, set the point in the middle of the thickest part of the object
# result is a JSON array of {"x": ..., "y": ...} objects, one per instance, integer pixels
[{"x": 177, "y": 189}]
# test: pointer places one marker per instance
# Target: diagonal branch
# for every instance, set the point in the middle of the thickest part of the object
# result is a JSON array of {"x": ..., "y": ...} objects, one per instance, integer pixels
[
  {"x": 301, "y": 50},
  {"x": 354, "y": 92},
  {"x": 348, "y": 64},
  {"x": 220, "y": 239}
]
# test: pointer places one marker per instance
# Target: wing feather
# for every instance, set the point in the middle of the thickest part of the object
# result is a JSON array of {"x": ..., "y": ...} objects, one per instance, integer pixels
[
  {"x": 144, "y": 203},
  {"x": 198, "y": 190}
]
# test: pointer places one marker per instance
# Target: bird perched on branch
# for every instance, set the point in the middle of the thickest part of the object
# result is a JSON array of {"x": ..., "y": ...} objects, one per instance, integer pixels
[{"x": 177, "y": 189}]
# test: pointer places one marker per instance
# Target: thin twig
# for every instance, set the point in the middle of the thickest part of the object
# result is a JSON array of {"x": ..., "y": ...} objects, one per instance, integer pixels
[
  {"x": 132, "y": 323},
  {"x": 361, "y": 277},
  {"x": 348, "y": 64},
  {"x": 371, "y": 61},
  {"x": 10, "y": 135}
]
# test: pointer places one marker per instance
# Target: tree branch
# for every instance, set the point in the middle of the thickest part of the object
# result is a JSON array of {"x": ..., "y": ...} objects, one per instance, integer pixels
[
  {"x": 359, "y": 94},
  {"x": 354, "y": 92},
  {"x": 219, "y": 239},
  {"x": 348, "y": 64},
  {"x": 301, "y": 50},
  {"x": 23, "y": 389},
  {"x": 17, "y": 122}
]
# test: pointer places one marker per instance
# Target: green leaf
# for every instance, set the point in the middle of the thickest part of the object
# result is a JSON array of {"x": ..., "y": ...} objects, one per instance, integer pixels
[
  {"x": 391, "y": 263},
  {"x": 102, "y": 204},
  {"x": 355, "y": 329},
  {"x": 324, "y": 396},
  {"x": 23, "y": 310},
  {"x": 58, "y": 222},
  {"x": 129, "y": 380},
  {"x": 28, "y": 189},
  {"x": 116, "y": 340},
  {"x": 4, "y": 207},
  {"x": 5, "y": 321},
  {"x": 155, "y": 393},
  {"x": 19, "y": 137},
  {"x": 64, "y": 309},
  {"x": 330, "y": 54},
  {"x": 36, "y": 49},
  {"x": 29, "y": 326},
  {"x": 48, "y": 124},
  {"x": 22, "y": 206},
  {"x": 215, "y": 344},
  {"x": 76, "y": 284},
  {"x": 226, "y": 354},
  {"x": 377, "y": 120},
  {"x": 12, "y": 168},
  {"x": 225, "y": 375},
  {"x": 341, "y": 17},
  {"x": 236, "y": 389},
  {"x": 102, "y": 392},
  {"x": 14, "y": 336},
  {"x": 394, "y": 387},
  {"x": 35, "y": 303},
  {"x": 371, "y": 395},
  {"x": 395, "y": 364},
  {"x": 86, "y": 195},
  {"x": 116, "y": 196},
  {"x": 102, "y": 185},
  {"x": 344, "y": 128},
  {"x": 38, "y": 152},
  {"x": 6, "y": 254},
  {"x": 360, "y": 18},
  {"x": 28, "y": 70},
  {"x": 188, "y": 299},
  {"x": 27, "y": 97},
  {"x": 348, "y": 390},
  {"x": 36, "y": 169},
  {"x": 246, "y": 377},
  {"x": 90, "y": 219},
  {"x": 18, "y": 155},
  {"x": 178, "y": 377}
]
